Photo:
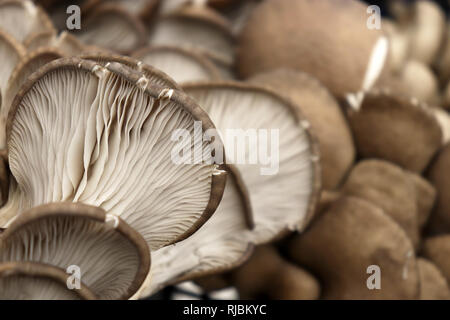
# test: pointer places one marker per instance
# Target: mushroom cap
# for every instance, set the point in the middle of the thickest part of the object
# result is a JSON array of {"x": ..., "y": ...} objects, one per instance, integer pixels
[
  {"x": 396, "y": 129},
  {"x": 36, "y": 281},
  {"x": 390, "y": 188},
  {"x": 221, "y": 244},
  {"x": 433, "y": 285},
  {"x": 439, "y": 221},
  {"x": 425, "y": 194},
  {"x": 344, "y": 241},
  {"x": 328, "y": 122},
  {"x": 282, "y": 197},
  {"x": 437, "y": 250},
  {"x": 328, "y": 39},
  {"x": 112, "y": 257},
  {"x": 144, "y": 9},
  {"x": 115, "y": 148},
  {"x": 155, "y": 75},
  {"x": 198, "y": 28},
  {"x": 112, "y": 27},
  {"x": 184, "y": 65},
  {"x": 278, "y": 280},
  {"x": 32, "y": 19}
]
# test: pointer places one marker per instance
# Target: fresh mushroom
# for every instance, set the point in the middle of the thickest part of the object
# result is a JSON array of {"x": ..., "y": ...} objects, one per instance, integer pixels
[
  {"x": 35, "y": 281},
  {"x": 112, "y": 258},
  {"x": 328, "y": 39},
  {"x": 328, "y": 122}
]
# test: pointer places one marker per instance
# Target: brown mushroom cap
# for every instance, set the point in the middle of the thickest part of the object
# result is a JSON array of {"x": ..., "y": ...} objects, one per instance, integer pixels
[
  {"x": 126, "y": 168},
  {"x": 425, "y": 194},
  {"x": 433, "y": 285},
  {"x": 437, "y": 250},
  {"x": 428, "y": 30},
  {"x": 182, "y": 64},
  {"x": 268, "y": 275},
  {"x": 283, "y": 195},
  {"x": 328, "y": 39},
  {"x": 328, "y": 122},
  {"x": 439, "y": 221},
  {"x": 396, "y": 129},
  {"x": 351, "y": 236},
  {"x": 36, "y": 281},
  {"x": 113, "y": 258},
  {"x": 155, "y": 76},
  {"x": 390, "y": 188}
]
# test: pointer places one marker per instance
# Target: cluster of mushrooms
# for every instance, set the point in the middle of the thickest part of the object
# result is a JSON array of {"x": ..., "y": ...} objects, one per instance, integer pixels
[{"x": 94, "y": 207}]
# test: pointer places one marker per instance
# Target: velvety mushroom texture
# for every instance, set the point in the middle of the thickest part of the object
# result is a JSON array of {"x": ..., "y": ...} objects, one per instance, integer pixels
[
  {"x": 183, "y": 65},
  {"x": 199, "y": 28},
  {"x": 433, "y": 285},
  {"x": 268, "y": 275},
  {"x": 316, "y": 103},
  {"x": 29, "y": 64},
  {"x": 396, "y": 129},
  {"x": 426, "y": 22},
  {"x": 440, "y": 218},
  {"x": 34, "y": 281},
  {"x": 108, "y": 132},
  {"x": 32, "y": 19},
  {"x": 326, "y": 38},
  {"x": 343, "y": 242},
  {"x": 221, "y": 244},
  {"x": 437, "y": 250},
  {"x": 112, "y": 27},
  {"x": 273, "y": 150},
  {"x": 112, "y": 258},
  {"x": 143, "y": 9},
  {"x": 388, "y": 187}
]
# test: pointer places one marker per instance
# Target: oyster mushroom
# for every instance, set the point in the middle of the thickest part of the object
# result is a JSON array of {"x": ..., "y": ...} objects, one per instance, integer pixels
[
  {"x": 221, "y": 244},
  {"x": 439, "y": 221},
  {"x": 113, "y": 259},
  {"x": 396, "y": 129},
  {"x": 345, "y": 241},
  {"x": 327, "y": 120},
  {"x": 325, "y": 38},
  {"x": 275, "y": 153},
  {"x": 390, "y": 188},
  {"x": 278, "y": 280},
  {"x": 144, "y": 9},
  {"x": 183, "y": 65},
  {"x": 32, "y": 19},
  {"x": 199, "y": 28},
  {"x": 437, "y": 249},
  {"x": 35, "y": 281},
  {"x": 113, "y": 28},
  {"x": 113, "y": 149},
  {"x": 433, "y": 285}
]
